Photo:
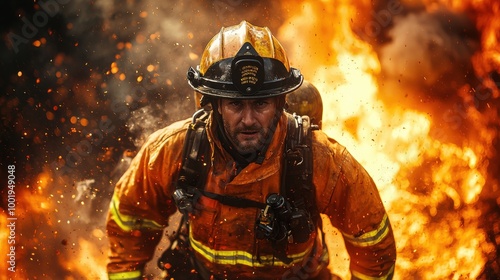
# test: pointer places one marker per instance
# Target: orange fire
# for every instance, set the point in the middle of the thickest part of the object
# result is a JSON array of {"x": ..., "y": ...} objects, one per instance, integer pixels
[{"x": 428, "y": 184}]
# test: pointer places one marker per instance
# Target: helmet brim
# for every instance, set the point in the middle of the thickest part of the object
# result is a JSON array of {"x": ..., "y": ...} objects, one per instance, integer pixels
[{"x": 226, "y": 88}]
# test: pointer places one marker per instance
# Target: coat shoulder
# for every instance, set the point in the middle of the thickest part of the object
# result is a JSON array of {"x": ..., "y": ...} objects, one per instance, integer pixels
[
  {"x": 323, "y": 144},
  {"x": 173, "y": 132}
]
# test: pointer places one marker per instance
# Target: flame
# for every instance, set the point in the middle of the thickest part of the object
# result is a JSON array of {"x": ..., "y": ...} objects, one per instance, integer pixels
[
  {"x": 88, "y": 260},
  {"x": 58, "y": 239},
  {"x": 428, "y": 185},
  {"x": 4, "y": 234},
  {"x": 487, "y": 20}
]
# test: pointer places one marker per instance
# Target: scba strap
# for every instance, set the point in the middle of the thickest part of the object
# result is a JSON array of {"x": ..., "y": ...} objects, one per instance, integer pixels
[
  {"x": 195, "y": 162},
  {"x": 296, "y": 176},
  {"x": 298, "y": 167}
]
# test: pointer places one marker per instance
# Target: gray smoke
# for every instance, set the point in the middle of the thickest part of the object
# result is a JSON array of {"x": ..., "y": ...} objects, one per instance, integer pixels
[{"x": 430, "y": 50}]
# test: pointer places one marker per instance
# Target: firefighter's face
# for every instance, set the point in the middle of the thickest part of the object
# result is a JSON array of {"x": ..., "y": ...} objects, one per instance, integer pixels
[{"x": 247, "y": 122}]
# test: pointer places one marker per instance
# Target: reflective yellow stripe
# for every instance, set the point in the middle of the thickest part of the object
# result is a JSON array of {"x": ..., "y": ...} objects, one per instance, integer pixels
[
  {"x": 242, "y": 257},
  {"x": 130, "y": 275},
  {"x": 358, "y": 275},
  {"x": 128, "y": 223},
  {"x": 372, "y": 237}
]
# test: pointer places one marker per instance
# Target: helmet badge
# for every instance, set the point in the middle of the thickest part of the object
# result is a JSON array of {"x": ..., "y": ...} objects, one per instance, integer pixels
[{"x": 247, "y": 70}]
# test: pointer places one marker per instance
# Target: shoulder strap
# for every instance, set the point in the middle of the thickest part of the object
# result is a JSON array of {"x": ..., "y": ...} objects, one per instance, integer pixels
[
  {"x": 195, "y": 160},
  {"x": 195, "y": 151},
  {"x": 297, "y": 182}
]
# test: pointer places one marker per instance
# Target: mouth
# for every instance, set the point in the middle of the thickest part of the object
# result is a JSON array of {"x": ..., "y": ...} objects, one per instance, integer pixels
[{"x": 249, "y": 134}]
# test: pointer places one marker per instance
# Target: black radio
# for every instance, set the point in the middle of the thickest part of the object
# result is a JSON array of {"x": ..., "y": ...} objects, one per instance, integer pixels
[{"x": 280, "y": 221}]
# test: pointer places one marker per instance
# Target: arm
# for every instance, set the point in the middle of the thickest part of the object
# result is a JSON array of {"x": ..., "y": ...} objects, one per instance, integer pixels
[
  {"x": 355, "y": 208},
  {"x": 141, "y": 206}
]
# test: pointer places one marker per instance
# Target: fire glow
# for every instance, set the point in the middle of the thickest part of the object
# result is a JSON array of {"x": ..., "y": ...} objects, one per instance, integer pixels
[
  {"x": 429, "y": 186},
  {"x": 430, "y": 159}
]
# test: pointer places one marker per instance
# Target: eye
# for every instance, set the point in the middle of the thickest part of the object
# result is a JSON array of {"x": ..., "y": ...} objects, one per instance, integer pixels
[
  {"x": 261, "y": 103},
  {"x": 235, "y": 103}
]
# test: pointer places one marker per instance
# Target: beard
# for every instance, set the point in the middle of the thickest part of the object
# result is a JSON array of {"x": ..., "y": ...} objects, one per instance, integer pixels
[{"x": 247, "y": 140}]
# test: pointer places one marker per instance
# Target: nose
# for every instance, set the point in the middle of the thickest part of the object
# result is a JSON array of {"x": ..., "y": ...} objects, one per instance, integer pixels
[{"x": 248, "y": 116}]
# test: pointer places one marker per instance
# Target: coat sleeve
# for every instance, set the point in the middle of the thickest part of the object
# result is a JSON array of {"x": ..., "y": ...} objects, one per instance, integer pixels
[
  {"x": 352, "y": 201},
  {"x": 141, "y": 204}
]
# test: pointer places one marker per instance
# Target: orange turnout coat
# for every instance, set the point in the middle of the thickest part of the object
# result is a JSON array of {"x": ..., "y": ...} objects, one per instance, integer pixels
[{"x": 223, "y": 237}]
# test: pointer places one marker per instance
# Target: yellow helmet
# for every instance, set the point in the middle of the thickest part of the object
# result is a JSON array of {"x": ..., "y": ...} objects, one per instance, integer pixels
[
  {"x": 244, "y": 61},
  {"x": 306, "y": 100}
]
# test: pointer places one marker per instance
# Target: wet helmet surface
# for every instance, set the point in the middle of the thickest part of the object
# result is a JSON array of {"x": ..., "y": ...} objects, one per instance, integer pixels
[{"x": 244, "y": 62}]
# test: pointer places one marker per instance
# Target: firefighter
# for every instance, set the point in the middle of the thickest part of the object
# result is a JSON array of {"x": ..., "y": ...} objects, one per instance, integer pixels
[
  {"x": 306, "y": 100},
  {"x": 241, "y": 224}
]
